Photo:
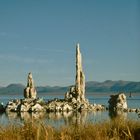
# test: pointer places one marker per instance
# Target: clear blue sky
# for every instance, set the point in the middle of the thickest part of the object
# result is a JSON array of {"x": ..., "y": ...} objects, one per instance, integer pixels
[{"x": 40, "y": 36}]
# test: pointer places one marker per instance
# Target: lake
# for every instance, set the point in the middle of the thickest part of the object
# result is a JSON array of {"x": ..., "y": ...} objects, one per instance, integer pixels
[{"x": 59, "y": 119}]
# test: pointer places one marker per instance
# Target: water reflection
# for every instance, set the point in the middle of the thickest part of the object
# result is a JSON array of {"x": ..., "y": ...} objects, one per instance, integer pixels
[
  {"x": 56, "y": 119},
  {"x": 32, "y": 116},
  {"x": 62, "y": 118},
  {"x": 66, "y": 118},
  {"x": 118, "y": 114},
  {"x": 25, "y": 116}
]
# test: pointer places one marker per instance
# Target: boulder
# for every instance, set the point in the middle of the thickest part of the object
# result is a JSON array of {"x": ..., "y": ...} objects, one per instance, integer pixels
[
  {"x": 67, "y": 108},
  {"x": 13, "y": 105},
  {"x": 117, "y": 102},
  {"x": 37, "y": 108},
  {"x": 131, "y": 110},
  {"x": 2, "y": 108},
  {"x": 138, "y": 110},
  {"x": 24, "y": 108},
  {"x": 26, "y": 105}
]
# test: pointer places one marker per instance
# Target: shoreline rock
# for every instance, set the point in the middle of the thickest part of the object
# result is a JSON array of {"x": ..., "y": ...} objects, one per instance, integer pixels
[{"x": 118, "y": 105}]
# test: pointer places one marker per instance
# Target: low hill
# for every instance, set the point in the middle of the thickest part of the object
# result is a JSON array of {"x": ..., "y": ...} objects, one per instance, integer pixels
[
  {"x": 113, "y": 86},
  {"x": 91, "y": 86},
  {"x": 12, "y": 89}
]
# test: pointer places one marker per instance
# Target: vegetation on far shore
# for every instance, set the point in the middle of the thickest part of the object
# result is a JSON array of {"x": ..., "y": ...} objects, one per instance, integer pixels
[{"x": 116, "y": 129}]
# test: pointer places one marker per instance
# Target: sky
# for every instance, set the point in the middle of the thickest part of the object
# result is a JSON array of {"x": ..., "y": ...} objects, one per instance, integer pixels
[{"x": 40, "y": 36}]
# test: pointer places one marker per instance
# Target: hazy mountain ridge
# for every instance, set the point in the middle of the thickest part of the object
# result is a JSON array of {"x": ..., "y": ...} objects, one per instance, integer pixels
[
  {"x": 12, "y": 89},
  {"x": 113, "y": 86},
  {"x": 91, "y": 86}
]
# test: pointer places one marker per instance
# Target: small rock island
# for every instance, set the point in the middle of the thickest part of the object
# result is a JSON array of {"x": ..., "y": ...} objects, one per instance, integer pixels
[{"x": 74, "y": 99}]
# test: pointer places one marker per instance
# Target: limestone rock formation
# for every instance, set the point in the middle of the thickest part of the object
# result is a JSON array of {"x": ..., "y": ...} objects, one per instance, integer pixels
[
  {"x": 30, "y": 91},
  {"x": 74, "y": 99},
  {"x": 76, "y": 96},
  {"x": 13, "y": 105},
  {"x": 30, "y": 103},
  {"x": 77, "y": 92},
  {"x": 26, "y": 105},
  {"x": 118, "y": 106},
  {"x": 117, "y": 102},
  {"x": 80, "y": 77}
]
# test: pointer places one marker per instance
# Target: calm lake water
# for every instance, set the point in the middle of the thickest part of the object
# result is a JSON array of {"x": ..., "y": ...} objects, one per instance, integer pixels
[{"x": 60, "y": 119}]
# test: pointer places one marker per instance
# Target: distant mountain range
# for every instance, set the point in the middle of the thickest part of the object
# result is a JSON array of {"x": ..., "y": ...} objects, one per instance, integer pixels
[{"x": 91, "y": 86}]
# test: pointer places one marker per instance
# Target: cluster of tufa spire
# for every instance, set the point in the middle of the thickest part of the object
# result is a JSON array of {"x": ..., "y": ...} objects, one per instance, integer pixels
[{"x": 79, "y": 89}]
